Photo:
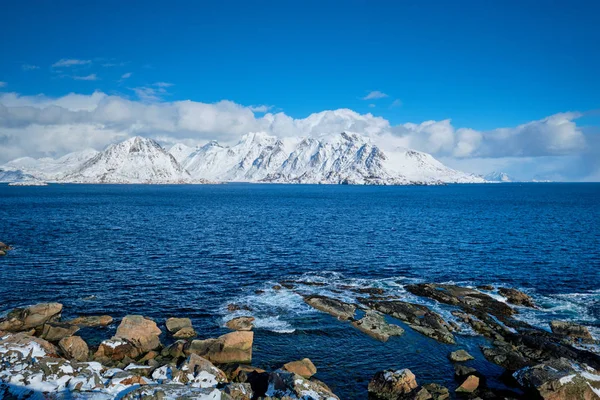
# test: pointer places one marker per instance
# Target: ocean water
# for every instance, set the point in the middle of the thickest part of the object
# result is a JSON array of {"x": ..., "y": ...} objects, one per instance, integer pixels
[{"x": 165, "y": 251}]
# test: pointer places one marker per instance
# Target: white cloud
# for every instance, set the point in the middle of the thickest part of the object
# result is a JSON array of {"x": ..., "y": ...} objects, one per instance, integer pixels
[
  {"x": 126, "y": 75},
  {"x": 372, "y": 105},
  {"x": 41, "y": 125},
  {"x": 90, "y": 77},
  {"x": 163, "y": 84},
  {"x": 29, "y": 67},
  {"x": 3, "y": 84},
  {"x": 69, "y": 62},
  {"x": 376, "y": 94},
  {"x": 396, "y": 103}
]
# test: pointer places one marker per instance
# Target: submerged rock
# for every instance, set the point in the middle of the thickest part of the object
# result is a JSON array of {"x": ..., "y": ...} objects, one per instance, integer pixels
[
  {"x": 517, "y": 297},
  {"x": 460, "y": 356},
  {"x": 374, "y": 325},
  {"x": 334, "y": 307},
  {"x": 572, "y": 331},
  {"x": 92, "y": 320},
  {"x": 391, "y": 385},
  {"x": 142, "y": 332},
  {"x": 417, "y": 316},
  {"x": 305, "y": 368},
  {"x": 234, "y": 347},
  {"x": 74, "y": 348},
  {"x": 23, "y": 319},
  {"x": 240, "y": 324}
]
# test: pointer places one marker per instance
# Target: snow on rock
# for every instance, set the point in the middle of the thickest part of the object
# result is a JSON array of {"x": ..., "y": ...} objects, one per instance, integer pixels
[
  {"x": 498, "y": 177},
  {"x": 50, "y": 169}
]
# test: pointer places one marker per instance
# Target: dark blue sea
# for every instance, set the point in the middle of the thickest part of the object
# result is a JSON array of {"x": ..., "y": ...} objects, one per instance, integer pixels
[{"x": 165, "y": 251}]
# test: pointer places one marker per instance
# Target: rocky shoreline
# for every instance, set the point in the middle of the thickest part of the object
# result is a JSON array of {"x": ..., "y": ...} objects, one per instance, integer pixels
[{"x": 41, "y": 353}]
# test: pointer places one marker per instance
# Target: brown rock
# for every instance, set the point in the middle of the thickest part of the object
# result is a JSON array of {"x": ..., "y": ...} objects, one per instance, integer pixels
[
  {"x": 571, "y": 330},
  {"x": 116, "y": 350},
  {"x": 242, "y": 373},
  {"x": 142, "y": 332},
  {"x": 74, "y": 348},
  {"x": 305, "y": 368},
  {"x": 175, "y": 350},
  {"x": 437, "y": 392},
  {"x": 23, "y": 319},
  {"x": 185, "y": 333},
  {"x": 195, "y": 364},
  {"x": 460, "y": 356},
  {"x": 469, "y": 385},
  {"x": 55, "y": 331},
  {"x": 151, "y": 355},
  {"x": 92, "y": 320},
  {"x": 176, "y": 324},
  {"x": 334, "y": 307},
  {"x": 234, "y": 347},
  {"x": 241, "y": 324},
  {"x": 23, "y": 339},
  {"x": 374, "y": 325},
  {"x": 391, "y": 385},
  {"x": 517, "y": 297},
  {"x": 236, "y": 307}
]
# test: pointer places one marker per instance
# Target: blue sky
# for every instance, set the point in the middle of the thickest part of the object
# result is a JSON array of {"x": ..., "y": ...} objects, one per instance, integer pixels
[{"x": 482, "y": 64}]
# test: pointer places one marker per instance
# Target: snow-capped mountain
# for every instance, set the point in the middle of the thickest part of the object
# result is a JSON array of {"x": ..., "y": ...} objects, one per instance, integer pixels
[
  {"x": 345, "y": 158},
  {"x": 498, "y": 177},
  {"x": 49, "y": 168},
  {"x": 8, "y": 175},
  {"x": 136, "y": 160}
]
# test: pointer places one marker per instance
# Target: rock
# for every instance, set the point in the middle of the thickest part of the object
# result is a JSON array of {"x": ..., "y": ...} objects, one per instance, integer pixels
[
  {"x": 4, "y": 246},
  {"x": 417, "y": 316},
  {"x": 234, "y": 347},
  {"x": 74, "y": 348},
  {"x": 506, "y": 356},
  {"x": 175, "y": 350},
  {"x": 123, "y": 380},
  {"x": 305, "y": 368},
  {"x": 437, "y": 392},
  {"x": 390, "y": 385},
  {"x": 286, "y": 385},
  {"x": 244, "y": 373},
  {"x": 232, "y": 307},
  {"x": 485, "y": 287},
  {"x": 142, "y": 332},
  {"x": 23, "y": 319},
  {"x": 560, "y": 379},
  {"x": 276, "y": 287},
  {"x": 469, "y": 385},
  {"x": 241, "y": 324},
  {"x": 517, "y": 297},
  {"x": 23, "y": 340},
  {"x": 140, "y": 370},
  {"x": 374, "y": 325},
  {"x": 116, "y": 350},
  {"x": 572, "y": 331},
  {"x": 92, "y": 320},
  {"x": 239, "y": 391},
  {"x": 334, "y": 307},
  {"x": 55, "y": 331},
  {"x": 460, "y": 356},
  {"x": 185, "y": 333},
  {"x": 202, "y": 371},
  {"x": 462, "y": 371},
  {"x": 176, "y": 324},
  {"x": 151, "y": 355}
]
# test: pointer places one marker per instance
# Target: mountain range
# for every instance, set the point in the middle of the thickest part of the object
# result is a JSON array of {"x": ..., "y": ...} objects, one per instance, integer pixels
[{"x": 345, "y": 158}]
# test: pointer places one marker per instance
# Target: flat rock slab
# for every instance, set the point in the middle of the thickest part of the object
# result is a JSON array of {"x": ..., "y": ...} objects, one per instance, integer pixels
[
  {"x": 460, "y": 356},
  {"x": 334, "y": 307},
  {"x": 374, "y": 325}
]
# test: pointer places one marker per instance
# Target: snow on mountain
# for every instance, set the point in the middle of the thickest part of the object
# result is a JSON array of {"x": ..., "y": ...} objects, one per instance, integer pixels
[
  {"x": 10, "y": 176},
  {"x": 136, "y": 160},
  {"x": 498, "y": 177},
  {"x": 52, "y": 169},
  {"x": 342, "y": 158}
]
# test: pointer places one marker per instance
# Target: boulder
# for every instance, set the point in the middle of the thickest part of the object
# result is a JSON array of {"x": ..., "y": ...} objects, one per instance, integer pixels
[
  {"x": 241, "y": 324},
  {"x": 176, "y": 324},
  {"x": 286, "y": 385},
  {"x": 185, "y": 333},
  {"x": 175, "y": 350},
  {"x": 437, "y": 392},
  {"x": 462, "y": 371},
  {"x": 374, "y": 325},
  {"x": 560, "y": 379},
  {"x": 305, "y": 368},
  {"x": 74, "y": 348},
  {"x": 21, "y": 340},
  {"x": 23, "y": 319},
  {"x": 202, "y": 371},
  {"x": 142, "y": 332},
  {"x": 232, "y": 307},
  {"x": 417, "y": 316},
  {"x": 234, "y": 347},
  {"x": 92, "y": 320},
  {"x": 517, "y": 297},
  {"x": 239, "y": 391},
  {"x": 486, "y": 287},
  {"x": 55, "y": 331},
  {"x": 172, "y": 391},
  {"x": 116, "y": 350},
  {"x": 244, "y": 373},
  {"x": 4, "y": 246},
  {"x": 469, "y": 385},
  {"x": 506, "y": 356},
  {"x": 390, "y": 385},
  {"x": 572, "y": 331},
  {"x": 334, "y": 307},
  {"x": 460, "y": 356}
]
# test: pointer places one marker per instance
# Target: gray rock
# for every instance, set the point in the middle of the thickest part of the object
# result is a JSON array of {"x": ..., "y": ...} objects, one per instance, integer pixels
[
  {"x": 334, "y": 307},
  {"x": 374, "y": 325}
]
